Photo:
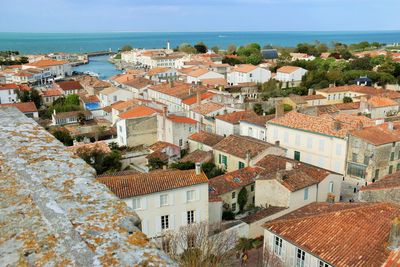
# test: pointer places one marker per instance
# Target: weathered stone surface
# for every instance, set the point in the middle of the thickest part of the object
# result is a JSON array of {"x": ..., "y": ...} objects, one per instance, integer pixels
[{"x": 54, "y": 213}]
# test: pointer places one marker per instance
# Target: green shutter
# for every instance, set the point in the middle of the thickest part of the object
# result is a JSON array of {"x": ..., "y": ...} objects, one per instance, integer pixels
[{"x": 219, "y": 159}]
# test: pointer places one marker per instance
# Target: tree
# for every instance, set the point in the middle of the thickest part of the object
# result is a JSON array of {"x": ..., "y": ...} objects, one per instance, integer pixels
[
  {"x": 201, "y": 48},
  {"x": 64, "y": 137},
  {"x": 258, "y": 108},
  {"x": 231, "y": 49},
  {"x": 347, "y": 99},
  {"x": 211, "y": 170},
  {"x": 101, "y": 161},
  {"x": 242, "y": 198},
  {"x": 244, "y": 244},
  {"x": 156, "y": 163},
  {"x": 193, "y": 245},
  {"x": 363, "y": 63},
  {"x": 183, "y": 165},
  {"x": 30, "y": 96},
  {"x": 126, "y": 48},
  {"x": 334, "y": 76},
  {"x": 187, "y": 48},
  {"x": 215, "y": 49},
  {"x": 254, "y": 59}
]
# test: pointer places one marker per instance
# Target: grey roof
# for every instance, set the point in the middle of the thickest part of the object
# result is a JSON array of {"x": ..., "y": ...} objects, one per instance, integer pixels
[
  {"x": 54, "y": 212},
  {"x": 269, "y": 53}
]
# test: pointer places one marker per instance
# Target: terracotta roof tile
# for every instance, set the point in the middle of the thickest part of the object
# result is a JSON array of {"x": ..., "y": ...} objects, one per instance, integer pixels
[
  {"x": 47, "y": 63},
  {"x": 206, "y": 108},
  {"x": 313, "y": 97},
  {"x": 232, "y": 180},
  {"x": 193, "y": 99},
  {"x": 24, "y": 107},
  {"x": 235, "y": 117},
  {"x": 147, "y": 183},
  {"x": 198, "y": 72},
  {"x": 181, "y": 119},
  {"x": 209, "y": 139},
  {"x": 69, "y": 85},
  {"x": 198, "y": 156},
  {"x": 138, "y": 82},
  {"x": 238, "y": 146},
  {"x": 323, "y": 124},
  {"x": 177, "y": 89},
  {"x": 160, "y": 145},
  {"x": 341, "y": 234},
  {"x": 214, "y": 82},
  {"x": 261, "y": 214},
  {"x": 157, "y": 70},
  {"x": 288, "y": 69},
  {"x": 377, "y": 102},
  {"x": 259, "y": 120},
  {"x": 378, "y": 135},
  {"x": 51, "y": 92},
  {"x": 391, "y": 181},
  {"x": 244, "y": 68},
  {"x": 139, "y": 111}
]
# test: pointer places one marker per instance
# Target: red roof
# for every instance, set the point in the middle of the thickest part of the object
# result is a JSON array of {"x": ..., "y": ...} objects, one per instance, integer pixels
[
  {"x": 193, "y": 99},
  {"x": 181, "y": 119},
  {"x": 70, "y": 85},
  {"x": 24, "y": 107},
  {"x": 52, "y": 92},
  {"x": 139, "y": 111},
  {"x": 7, "y": 86}
]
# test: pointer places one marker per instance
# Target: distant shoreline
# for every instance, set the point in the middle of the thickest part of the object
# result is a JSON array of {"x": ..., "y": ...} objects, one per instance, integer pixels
[{"x": 37, "y": 43}]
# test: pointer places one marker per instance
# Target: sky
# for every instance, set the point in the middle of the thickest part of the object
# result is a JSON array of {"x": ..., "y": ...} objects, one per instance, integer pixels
[{"x": 200, "y": 15}]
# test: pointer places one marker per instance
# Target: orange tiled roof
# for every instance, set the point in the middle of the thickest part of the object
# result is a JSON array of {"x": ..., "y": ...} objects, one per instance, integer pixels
[
  {"x": 181, "y": 119},
  {"x": 341, "y": 234},
  {"x": 46, "y": 63},
  {"x": 138, "y": 82},
  {"x": 259, "y": 120},
  {"x": 232, "y": 180},
  {"x": 323, "y": 124},
  {"x": 209, "y": 139},
  {"x": 368, "y": 90},
  {"x": 6, "y": 86},
  {"x": 238, "y": 146},
  {"x": 51, "y": 92},
  {"x": 139, "y": 111},
  {"x": 193, "y": 99},
  {"x": 24, "y": 107},
  {"x": 313, "y": 97},
  {"x": 288, "y": 69},
  {"x": 377, "y": 102},
  {"x": 123, "y": 105},
  {"x": 214, "y": 82},
  {"x": 244, "y": 68},
  {"x": 96, "y": 146},
  {"x": 160, "y": 145},
  {"x": 198, "y": 72},
  {"x": 378, "y": 135},
  {"x": 177, "y": 89},
  {"x": 391, "y": 181},
  {"x": 235, "y": 117},
  {"x": 69, "y": 85},
  {"x": 146, "y": 183},
  {"x": 157, "y": 70},
  {"x": 207, "y": 108},
  {"x": 198, "y": 156}
]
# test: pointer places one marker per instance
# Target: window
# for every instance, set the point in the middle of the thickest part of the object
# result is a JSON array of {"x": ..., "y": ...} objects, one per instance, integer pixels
[
  {"x": 309, "y": 142},
  {"x": 286, "y": 137},
  {"x": 233, "y": 195},
  {"x": 392, "y": 156},
  {"x": 164, "y": 222},
  {"x": 354, "y": 157},
  {"x": 233, "y": 206},
  {"x": 323, "y": 264},
  {"x": 136, "y": 205},
  {"x": 120, "y": 129},
  {"x": 115, "y": 98},
  {"x": 398, "y": 167},
  {"x": 241, "y": 165},
  {"x": 366, "y": 160},
  {"x": 278, "y": 246},
  {"x": 305, "y": 193},
  {"x": 297, "y": 140},
  {"x": 390, "y": 169},
  {"x": 300, "y": 257},
  {"x": 250, "y": 131},
  {"x": 190, "y": 195},
  {"x": 252, "y": 187},
  {"x": 163, "y": 200},
  {"x": 190, "y": 217},
  {"x": 297, "y": 155},
  {"x": 225, "y": 160},
  {"x": 376, "y": 174},
  {"x": 330, "y": 188},
  {"x": 338, "y": 149},
  {"x": 321, "y": 145},
  {"x": 180, "y": 142}
]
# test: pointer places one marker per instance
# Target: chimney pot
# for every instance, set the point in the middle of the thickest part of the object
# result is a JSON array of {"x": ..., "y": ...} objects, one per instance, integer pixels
[
  {"x": 390, "y": 126},
  {"x": 198, "y": 168},
  {"x": 289, "y": 166}
]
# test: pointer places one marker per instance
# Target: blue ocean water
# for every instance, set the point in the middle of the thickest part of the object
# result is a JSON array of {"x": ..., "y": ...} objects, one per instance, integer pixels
[{"x": 86, "y": 42}]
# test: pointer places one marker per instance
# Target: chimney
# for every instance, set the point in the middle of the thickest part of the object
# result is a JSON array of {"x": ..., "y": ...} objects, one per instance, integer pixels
[
  {"x": 310, "y": 91},
  {"x": 279, "y": 176},
  {"x": 394, "y": 235},
  {"x": 363, "y": 104},
  {"x": 198, "y": 168},
  {"x": 337, "y": 125},
  {"x": 198, "y": 97},
  {"x": 171, "y": 83},
  {"x": 279, "y": 109},
  {"x": 360, "y": 125},
  {"x": 248, "y": 157},
  {"x": 289, "y": 166},
  {"x": 390, "y": 126}
]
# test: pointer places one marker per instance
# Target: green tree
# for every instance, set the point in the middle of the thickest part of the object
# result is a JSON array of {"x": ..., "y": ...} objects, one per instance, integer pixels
[
  {"x": 211, "y": 170},
  {"x": 334, "y": 76},
  {"x": 258, "y": 109},
  {"x": 126, "y": 48},
  {"x": 30, "y": 96},
  {"x": 215, "y": 49},
  {"x": 64, "y": 137},
  {"x": 156, "y": 163},
  {"x": 254, "y": 59},
  {"x": 187, "y": 48},
  {"x": 200, "y": 48},
  {"x": 363, "y": 63},
  {"x": 183, "y": 165},
  {"x": 244, "y": 244},
  {"x": 347, "y": 99},
  {"x": 242, "y": 198},
  {"x": 102, "y": 162},
  {"x": 231, "y": 49}
]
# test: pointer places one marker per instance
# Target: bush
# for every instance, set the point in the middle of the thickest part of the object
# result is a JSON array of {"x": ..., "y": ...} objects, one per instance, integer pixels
[
  {"x": 64, "y": 137},
  {"x": 347, "y": 99},
  {"x": 183, "y": 165},
  {"x": 242, "y": 198},
  {"x": 228, "y": 215}
]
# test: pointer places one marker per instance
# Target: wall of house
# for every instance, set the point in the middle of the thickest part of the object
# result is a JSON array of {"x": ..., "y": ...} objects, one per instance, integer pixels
[
  {"x": 370, "y": 158},
  {"x": 323, "y": 187},
  {"x": 252, "y": 130},
  {"x": 259, "y": 75},
  {"x": 391, "y": 195},
  {"x": 228, "y": 200},
  {"x": 288, "y": 257},
  {"x": 8, "y": 96},
  {"x": 378, "y": 113},
  {"x": 298, "y": 200},
  {"x": 150, "y": 212},
  {"x": 141, "y": 131},
  {"x": 271, "y": 192},
  {"x": 289, "y": 77},
  {"x": 324, "y": 151},
  {"x": 193, "y": 145},
  {"x": 214, "y": 212},
  {"x": 225, "y": 128},
  {"x": 256, "y": 228},
  {"x": 232, "y": 161}
]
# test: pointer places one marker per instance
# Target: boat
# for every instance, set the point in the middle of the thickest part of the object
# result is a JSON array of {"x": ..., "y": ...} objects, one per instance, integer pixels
[{"x": 91, "y": 73}]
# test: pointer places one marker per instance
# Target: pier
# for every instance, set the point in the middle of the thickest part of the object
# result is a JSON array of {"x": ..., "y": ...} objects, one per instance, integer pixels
[{"x": 100, "y": 53}]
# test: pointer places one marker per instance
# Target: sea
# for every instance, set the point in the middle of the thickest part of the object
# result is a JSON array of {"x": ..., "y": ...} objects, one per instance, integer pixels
[{"x": 39, "y": 43}]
